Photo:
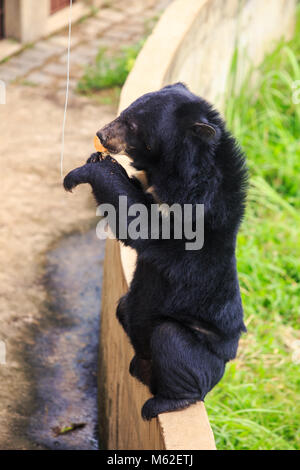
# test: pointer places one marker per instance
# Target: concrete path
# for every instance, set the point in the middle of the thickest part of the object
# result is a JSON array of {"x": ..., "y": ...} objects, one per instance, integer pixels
[
  {"x": 44, "y": 64},
  {"x": 35, "y": 211}
]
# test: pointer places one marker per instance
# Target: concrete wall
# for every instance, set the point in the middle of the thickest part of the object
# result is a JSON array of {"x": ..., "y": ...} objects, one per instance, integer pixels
[
  {"x": 193, "y": 42},
  {"x": 25, "y": 19}
]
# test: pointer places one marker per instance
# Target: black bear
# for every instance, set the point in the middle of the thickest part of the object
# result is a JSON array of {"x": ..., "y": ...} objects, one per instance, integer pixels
[{"x": 183, "y": 311}]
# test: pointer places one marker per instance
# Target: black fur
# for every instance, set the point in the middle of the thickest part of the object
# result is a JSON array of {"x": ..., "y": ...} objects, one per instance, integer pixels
[{"x": 183, "y": 311}]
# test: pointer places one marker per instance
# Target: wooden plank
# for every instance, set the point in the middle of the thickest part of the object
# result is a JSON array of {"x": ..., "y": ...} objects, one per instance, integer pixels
[{"x": 187, "y": 429}]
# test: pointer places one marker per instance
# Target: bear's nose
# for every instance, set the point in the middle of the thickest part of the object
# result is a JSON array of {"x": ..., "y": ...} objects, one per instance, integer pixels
[{"x": 101, "y": 137}]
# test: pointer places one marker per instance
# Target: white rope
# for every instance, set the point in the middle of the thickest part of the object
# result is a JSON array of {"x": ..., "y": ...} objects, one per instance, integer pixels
[{"x": 67, "y": 92}]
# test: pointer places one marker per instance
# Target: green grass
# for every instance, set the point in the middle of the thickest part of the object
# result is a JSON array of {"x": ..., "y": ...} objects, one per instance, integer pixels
[
  {"x": 256, "y": 405},
  {"x": 109, "y": 71}
]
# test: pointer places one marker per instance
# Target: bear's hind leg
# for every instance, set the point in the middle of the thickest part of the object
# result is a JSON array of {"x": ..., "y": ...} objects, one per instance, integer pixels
[
  {"x": 184, "y": 370},
  {"x": 122, "y": 314},
  {"x": 141, "y": 369}
]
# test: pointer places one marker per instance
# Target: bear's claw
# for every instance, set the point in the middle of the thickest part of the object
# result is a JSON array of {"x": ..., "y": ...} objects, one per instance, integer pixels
[{"x": 95, "y": 158}]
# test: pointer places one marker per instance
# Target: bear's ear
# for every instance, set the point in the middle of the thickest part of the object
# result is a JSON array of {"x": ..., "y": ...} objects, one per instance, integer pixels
[{"x": 204, "y": 131}]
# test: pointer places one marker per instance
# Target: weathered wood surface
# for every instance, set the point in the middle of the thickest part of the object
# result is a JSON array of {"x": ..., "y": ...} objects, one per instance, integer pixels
[{"x": 121, "y": 396}]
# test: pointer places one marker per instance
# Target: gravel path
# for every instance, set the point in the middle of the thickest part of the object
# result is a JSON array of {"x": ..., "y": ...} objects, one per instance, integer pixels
[{"x": 44, "y": 64}]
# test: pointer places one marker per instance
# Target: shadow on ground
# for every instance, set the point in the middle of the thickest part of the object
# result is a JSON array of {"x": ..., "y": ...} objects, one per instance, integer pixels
[{"x": 65, "y": 356}]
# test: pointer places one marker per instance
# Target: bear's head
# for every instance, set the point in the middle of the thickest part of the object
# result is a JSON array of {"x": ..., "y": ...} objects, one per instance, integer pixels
[{"x": 158, "y": 127}]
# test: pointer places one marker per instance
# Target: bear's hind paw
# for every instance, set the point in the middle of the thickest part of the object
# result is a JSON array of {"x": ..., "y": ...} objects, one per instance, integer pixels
[{"x": 156, "y": 405}]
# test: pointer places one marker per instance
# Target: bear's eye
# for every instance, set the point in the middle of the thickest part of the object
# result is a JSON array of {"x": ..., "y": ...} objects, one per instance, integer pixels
[{"x": 132, "y": 126}]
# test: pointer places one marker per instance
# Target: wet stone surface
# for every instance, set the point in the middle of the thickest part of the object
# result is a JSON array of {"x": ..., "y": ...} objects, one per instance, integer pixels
[{"x": 65, "y": 355}]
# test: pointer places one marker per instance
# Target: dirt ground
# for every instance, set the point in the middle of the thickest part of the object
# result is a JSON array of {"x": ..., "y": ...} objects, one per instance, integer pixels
[{"x": 35, "y": 213}]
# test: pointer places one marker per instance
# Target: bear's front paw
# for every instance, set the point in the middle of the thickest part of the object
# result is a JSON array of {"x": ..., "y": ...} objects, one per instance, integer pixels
[
  {"x": 76, "y": 177},
  {"x": 95, "y": 158}
]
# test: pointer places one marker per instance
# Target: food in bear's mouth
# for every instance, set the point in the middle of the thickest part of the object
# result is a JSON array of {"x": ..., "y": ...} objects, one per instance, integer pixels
[{"x": 98, "y": 146}]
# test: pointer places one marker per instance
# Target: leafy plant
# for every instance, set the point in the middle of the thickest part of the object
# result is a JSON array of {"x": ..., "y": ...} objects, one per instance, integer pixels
[{"x": 109, "y": 71}]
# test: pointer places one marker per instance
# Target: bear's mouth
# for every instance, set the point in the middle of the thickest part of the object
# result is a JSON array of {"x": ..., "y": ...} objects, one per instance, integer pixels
[
  {"x": 113, "y": 150},
  {"x": 112, "y": 137},
  {"x": 110, "y": 145}
]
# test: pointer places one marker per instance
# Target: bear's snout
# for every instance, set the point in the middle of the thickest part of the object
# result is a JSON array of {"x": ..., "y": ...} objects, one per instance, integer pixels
[{"x": 112, "y": 137}]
